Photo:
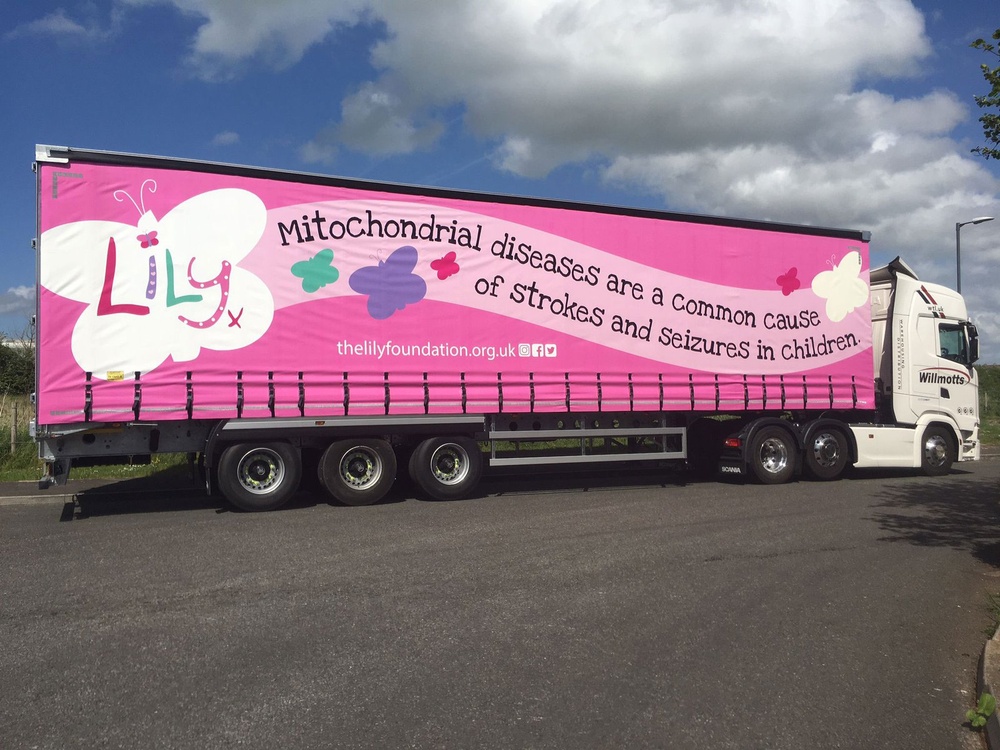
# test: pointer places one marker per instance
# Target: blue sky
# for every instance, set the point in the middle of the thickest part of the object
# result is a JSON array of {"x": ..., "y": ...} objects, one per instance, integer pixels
[{"x": 847, "y": 113}]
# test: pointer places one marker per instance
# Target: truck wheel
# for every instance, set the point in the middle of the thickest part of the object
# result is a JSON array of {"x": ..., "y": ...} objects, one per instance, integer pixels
[
  {"x": 259, "y": 477},
  {"x": 937, "y": 450},
  {"x": 825, "y": 455},
  {"x": 447, "y": 468},
  {"x": 772, "y": 456},
  {"x": 358, "y": 472}
]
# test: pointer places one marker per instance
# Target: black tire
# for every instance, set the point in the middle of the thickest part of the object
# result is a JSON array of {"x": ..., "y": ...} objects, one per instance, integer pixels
[
  {"x": 258, "y": 477},
  {"x": 826, "y": 453},
  {"x": 937, "y": 450},
  {"x": 772, "y": 455},
  {"x": 358, "y": 472},
  {"x": 447, "y": 468}
]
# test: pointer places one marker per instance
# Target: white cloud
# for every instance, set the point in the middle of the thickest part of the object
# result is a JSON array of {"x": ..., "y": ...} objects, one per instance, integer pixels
[
  {"x": 18, "y": 300},
  {"x": 60, "y": 25},
  {"x": 569, "y": 80},
  {"x": 226, "y": 138},
  {"x": 375, "y": 120},
  {"x": 320, "y": 150},
  {"x": 275, "y": 32}
]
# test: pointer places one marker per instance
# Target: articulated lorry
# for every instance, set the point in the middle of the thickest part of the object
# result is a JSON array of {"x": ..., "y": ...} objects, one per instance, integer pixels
[{"x": 276, "y": 325}]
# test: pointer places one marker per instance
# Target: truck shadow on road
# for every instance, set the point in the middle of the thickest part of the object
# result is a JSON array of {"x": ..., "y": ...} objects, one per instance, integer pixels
[
  {"x": 509, "y": 482},
  {"x": 153, "y": 495},
  {"x": 957, "y": 512},
  {"x": 133, "y": 496}
]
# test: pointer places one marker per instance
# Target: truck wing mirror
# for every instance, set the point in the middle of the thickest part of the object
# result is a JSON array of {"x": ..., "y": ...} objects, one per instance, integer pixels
[{"x": 973, "y": 334}]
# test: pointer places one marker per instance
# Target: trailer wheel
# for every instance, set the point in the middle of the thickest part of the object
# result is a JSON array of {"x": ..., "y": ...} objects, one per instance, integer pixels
[
  {"x": 358, "y": 472},
  {"x": 825, "y": 455},
  {"x": 447, "y": 468},
  {"x": 937, "y": 450},
  {"x": 259, "y": 477},
  {"x": 772, "y": 456}
]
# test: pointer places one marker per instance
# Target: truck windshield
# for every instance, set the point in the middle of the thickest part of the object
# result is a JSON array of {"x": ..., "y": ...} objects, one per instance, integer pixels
[{"x": 953, "y": 343}]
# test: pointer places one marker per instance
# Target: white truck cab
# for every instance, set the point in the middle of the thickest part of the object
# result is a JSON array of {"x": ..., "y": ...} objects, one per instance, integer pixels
[{"x": 924, "y": 348}]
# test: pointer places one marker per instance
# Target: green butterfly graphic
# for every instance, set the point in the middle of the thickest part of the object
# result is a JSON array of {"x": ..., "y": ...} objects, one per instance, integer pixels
[{"x": 316, "y": 272}]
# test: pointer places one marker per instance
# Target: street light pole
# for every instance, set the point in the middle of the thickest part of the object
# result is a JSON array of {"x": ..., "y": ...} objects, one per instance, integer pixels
[{"x": 958, "y": 247}]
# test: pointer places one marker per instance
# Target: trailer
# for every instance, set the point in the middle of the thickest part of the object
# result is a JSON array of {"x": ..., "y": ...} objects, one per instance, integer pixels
[{"x": 273, "y": 324}]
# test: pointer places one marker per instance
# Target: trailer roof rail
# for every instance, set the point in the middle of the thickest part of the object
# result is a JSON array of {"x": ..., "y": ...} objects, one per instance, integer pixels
[{"x": 52, "y": 154}]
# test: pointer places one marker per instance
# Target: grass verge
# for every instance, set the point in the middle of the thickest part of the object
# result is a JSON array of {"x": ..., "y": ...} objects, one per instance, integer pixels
[
  {"x": 19, "y": 456},
  {"x": 989, "y": 431}
]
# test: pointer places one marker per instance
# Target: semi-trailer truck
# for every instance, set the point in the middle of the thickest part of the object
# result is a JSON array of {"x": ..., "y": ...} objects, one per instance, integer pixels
[{"x": 274, "y": 324}]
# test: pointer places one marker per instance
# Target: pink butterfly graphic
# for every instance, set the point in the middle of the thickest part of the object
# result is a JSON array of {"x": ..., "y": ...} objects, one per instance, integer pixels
[
  {"x": 148, "y": 239},
  {"x": 789, "y": 281},
  {"x": 445, "y": 266}
]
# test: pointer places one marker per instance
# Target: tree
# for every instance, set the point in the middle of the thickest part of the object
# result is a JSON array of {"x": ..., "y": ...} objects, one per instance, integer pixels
[{"x": 990, "y": 120}]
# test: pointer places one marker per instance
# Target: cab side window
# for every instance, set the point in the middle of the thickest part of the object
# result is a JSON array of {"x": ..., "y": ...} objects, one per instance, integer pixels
[{"x": 953, "y": 344}]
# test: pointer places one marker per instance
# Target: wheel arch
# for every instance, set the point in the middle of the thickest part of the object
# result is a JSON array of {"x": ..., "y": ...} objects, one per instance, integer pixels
[{"x": 936, "y": 418}]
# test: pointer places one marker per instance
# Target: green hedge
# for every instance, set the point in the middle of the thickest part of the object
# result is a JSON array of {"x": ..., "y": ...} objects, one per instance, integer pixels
[
  {"x": 989, "y": 390},
  {"x": 17, "y": 370}
]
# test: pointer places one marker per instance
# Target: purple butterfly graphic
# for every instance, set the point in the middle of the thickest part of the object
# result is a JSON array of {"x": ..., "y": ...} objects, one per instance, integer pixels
[
  {"x": 391, "y": 285},
  {"x": 445, "y": 266},
  {"x": 789, "y": 281},
  {"x": 147, "y": 240}
]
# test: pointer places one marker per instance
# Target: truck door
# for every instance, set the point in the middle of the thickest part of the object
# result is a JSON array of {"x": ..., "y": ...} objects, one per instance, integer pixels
[
  {"x": 957, "y": 375},
  {"x": 944, "y": 371}
]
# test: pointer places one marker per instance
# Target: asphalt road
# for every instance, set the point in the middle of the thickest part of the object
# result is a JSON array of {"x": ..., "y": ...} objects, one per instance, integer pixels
[{"x": 553, "y": 612}]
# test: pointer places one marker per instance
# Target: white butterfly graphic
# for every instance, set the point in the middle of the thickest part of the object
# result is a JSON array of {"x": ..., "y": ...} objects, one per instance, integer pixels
[
  {"x": 161, "y": 287},
  {"x": 842, "y": 288}
]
